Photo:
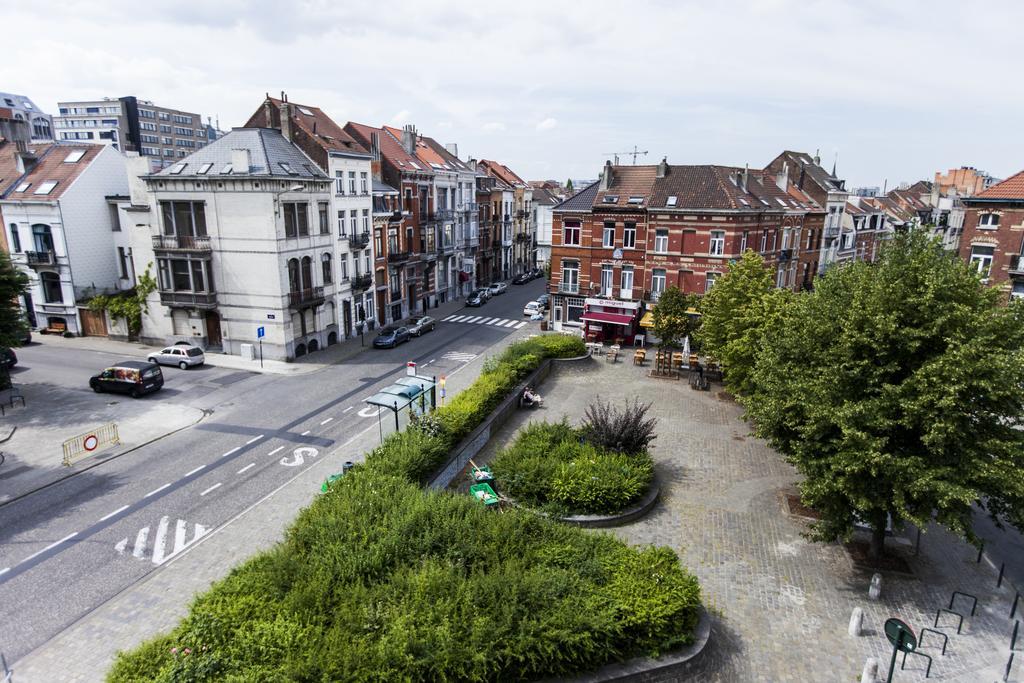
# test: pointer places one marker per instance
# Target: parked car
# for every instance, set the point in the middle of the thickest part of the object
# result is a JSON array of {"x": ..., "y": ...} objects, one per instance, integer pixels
[
  {"x": 390, "y": 337},
  {"x": 536, "y": 273},
  {"x": 486, "y": 292},
  {"x": 182, "y": 355},
  {"x": 544, "y": 300},
  {"x": 498, "y": 288},
  {"x": 133, "y": 377},
  {"x": 8, "y": 358},
  {"x": 476, "y": 298},
  {"x": 421, "y": 324},
  {"x": 532, "y": 309},
  {"x": 521, "y": 279}
]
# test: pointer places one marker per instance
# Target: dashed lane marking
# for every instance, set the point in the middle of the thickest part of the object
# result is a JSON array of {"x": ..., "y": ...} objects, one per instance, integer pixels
[
  {"x": 276, "y": 450},
  {"x": 211, "y": 489},
  {"x": 253, "y": 440},
  {"x": 50, "y": 547},
  {"x": 304, "y": 433},
  {"x": 326, "y": 421},
  {"x": 347, "y": 409},
  {"x": 157, "y": 490},
  {"x": 250, "y": 465},
  {"x": 191, "y": 472},
  {"x": 233, "y": 450},
  {"x": 111, "y": 514}
]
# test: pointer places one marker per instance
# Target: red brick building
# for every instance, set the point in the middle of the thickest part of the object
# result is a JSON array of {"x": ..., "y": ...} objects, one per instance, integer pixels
[{"x": 993, "y": 234}]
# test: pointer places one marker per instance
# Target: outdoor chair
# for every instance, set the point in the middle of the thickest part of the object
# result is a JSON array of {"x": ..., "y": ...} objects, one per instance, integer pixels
[{"x": 639, "y": 356}]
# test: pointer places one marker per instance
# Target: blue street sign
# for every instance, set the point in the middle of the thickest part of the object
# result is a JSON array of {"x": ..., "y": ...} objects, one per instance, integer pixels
[{"x": 260, "y": 332}]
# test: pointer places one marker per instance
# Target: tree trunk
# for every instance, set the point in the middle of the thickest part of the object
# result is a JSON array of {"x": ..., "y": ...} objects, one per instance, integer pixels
[{"x": 878, "y": 535}]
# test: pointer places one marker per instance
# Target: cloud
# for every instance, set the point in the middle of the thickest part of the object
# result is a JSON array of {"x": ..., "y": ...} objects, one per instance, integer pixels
[
  {"x": 547, "y": 124},
  {"x": 494, "y": 127},
  {"x": 400, "y": 119}
]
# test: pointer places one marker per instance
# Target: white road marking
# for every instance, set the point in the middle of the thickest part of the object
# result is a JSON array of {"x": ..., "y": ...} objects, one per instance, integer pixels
[
  {"x": 108, "y": 516},
  {"x": 179, "y": 535},
  {"x": 299, "y": 455},
  {"x": 510, "y": 323},
  {"x": 459, "y": 356},
  {"x": 191, "y": 472},
  {"x": 160, "y": 542},
  {"x": 253, "y": 440},
  {"x": 518, "y": 325},
  {"x": 49, "y": 547},
  {"x": 233, "y": 450},
  {"x": 460, "y": 318},
  {"x": 4, "y": 570},
  {"x": 369, "y": 411},
  {"x": 347, "y": 409},
  {"x": 140, "y": 542},
  {"x": 156, "y": 490},
  {"x": 212, "y": 488},
  {"x": 326, "y": 421},
  {"x": 448, "y": 319},
  {"x": 304, "y": 433},
  {"x": 276, "y": 450},
  {"x": 250, "y": 465}
]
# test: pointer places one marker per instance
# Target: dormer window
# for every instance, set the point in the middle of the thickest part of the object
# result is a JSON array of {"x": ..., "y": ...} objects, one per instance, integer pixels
[
  {"x": 226, "y": 170},
  {"x": 74, "y": 157},
  {"x": 989, "y": 221},
  {"x": 205, "y": 168},
  {"x": 286, "y": 167},
  {"x": 611, "y": 199},
  {"x": 636, "y": 200},
  {"x": 178, "y": 168}
]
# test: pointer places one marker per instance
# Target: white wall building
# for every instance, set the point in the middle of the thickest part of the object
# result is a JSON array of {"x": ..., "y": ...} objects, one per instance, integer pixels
[{"x": 63, "y": 230}]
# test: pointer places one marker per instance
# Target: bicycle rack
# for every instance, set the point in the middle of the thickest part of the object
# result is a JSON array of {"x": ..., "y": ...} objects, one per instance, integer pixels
[
  {"x": 974, "y": 605},
  {"x": 949, "y": 611},
  {"x": 945, "y": 638},
  {"x": 928, "y": 671}
]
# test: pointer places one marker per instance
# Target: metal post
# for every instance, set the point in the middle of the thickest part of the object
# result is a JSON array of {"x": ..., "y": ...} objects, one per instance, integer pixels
[
  {"x": 892, "y": 662},
  {"x": 1009, "y": 665},
  {"x": 981, "y": 550},
  {"x": 1013, "y": 638},
  {"x": 433, "y": 393},
  {"x": 999, "y": 581},
  {"x": 396, "y": 417},
  {"x": 261, "y": 353},
  {"x": 1013, "y": 610}
]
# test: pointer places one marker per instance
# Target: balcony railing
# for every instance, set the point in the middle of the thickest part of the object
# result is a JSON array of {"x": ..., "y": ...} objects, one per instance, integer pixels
[
  {"x": 181, "y": 243},
  {"x": 305, "y": 297},
  {"x": 188, "y": 299},
  {"x": 1017, "y": 265},
  {"x": 358, "y": 240},
  {"x": 398, "y": 256},
  {"x": 443, "y": 215},
  {"x": 447, "y": 246},
  {"x": 523, "y": 237},
  {"x": 832, "y": 231},
  {"x": 568, "y": 288},
  {"x": 361, "y": 282},
  {"x": 785, "y": 254},
  {"x": 395, "y": 295},
  {"x": 40, "y": 258}
]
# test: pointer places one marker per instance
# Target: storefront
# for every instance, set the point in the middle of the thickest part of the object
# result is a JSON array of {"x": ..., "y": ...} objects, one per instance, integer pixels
[{"x": 610, "y": 320}]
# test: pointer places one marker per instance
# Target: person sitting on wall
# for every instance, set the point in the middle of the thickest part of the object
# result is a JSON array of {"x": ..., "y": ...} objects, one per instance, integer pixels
[{"x": 531, "y": 398}]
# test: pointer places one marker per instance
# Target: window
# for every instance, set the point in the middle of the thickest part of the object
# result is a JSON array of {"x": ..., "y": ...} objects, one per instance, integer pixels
[
  {"x": 657, "y": 283},
  {"x": 764, "y": 241},
  {"x": 988, "y": 221},
  {"x": 363, "y": 183},
  {"x": 981, "y": 259},
  {"x": 606, "y": 280},
  {"x": 848, "y": 240},
  {"x": 609, "y": 234},
  {"x": 296, "y": 219},
  {"x": 366, "y": 220},
  {"x": 635, "y": 199},
  {"x": 571, "y": 233},
  {"x": 611, "y": 199},
  {"x": 353, "y": 221},
  {"x": 52, "y": 293},
  {"x": 570, "y": 276},
  {"x": 378, "y": 244},
  {"x": 287, "y": 168},
  {"x": 178, "y": 168},
  {"x": 339, "y": 182},
  {"x": 743, "y": 241},
  {"x": 351, "y": 182},
  {"x": 15, "y": 239},
  {"x": 122, "y": 262},
  {"x": 325, "y": 221},
  {"x": 184, "y": 219},
  {"x": 709, "y": 281},
  {"x": 46, "y": 187},
  {"x": 328, "y": 269},
  {"x": 661, "y": 241},
  {"x": 42, "y": 238},
  {"x": 717, "y": 245},
  {"x": 626, "y": 283},
  {"x": 74, "y": 157},
  {"x": 205, "y": 168},
  {"x": 671, "y": 200},
  {"x": 629, "y": 236},
  {"x": 343, "y": 264},
  {"x": 226, "y": 170},
  {"x": 23, "y": 187}
]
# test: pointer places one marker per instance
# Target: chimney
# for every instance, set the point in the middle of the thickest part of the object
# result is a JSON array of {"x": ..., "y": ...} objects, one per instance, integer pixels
[
  {"x": 803, "y": 172},
  {"x": 817, "y": 157},
  {"x": 606, "y": 175},
  {"x": 286, "y": 119},
  {"x": 453, "y": 149},
  {"x": 409, "y": 139},
  {"x": 663, "y": 168},
  {"x": 239, "y": 161},
  {"x": 375, "y": 145},
  {"x": 24, "y": 159},
  {"x": 782, "y": 177},
  {"x": 268, "y": 111}
]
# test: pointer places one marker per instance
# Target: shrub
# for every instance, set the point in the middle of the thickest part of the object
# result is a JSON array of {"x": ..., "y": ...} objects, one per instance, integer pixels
[{"x": 626, "y": 430}]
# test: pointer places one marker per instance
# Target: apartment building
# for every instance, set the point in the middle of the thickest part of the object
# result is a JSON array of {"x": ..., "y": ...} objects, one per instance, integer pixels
[
  {"x": 492, "y": 197},
  {"x": 161, "y": 134},
  {"x": 59, "y": 209},
  {"x": 993, "y": 235},
  {"x": 543, "y": 202},
  {"x": 521, "y": 254},
  {"x": 241, "y": 236},
  {"x": 22, "y": 108},
  {"x": 467, "y": 227}
]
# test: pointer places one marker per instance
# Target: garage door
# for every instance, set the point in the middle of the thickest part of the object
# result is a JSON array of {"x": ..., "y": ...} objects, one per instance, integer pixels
[{"x": 94, "y": 324}]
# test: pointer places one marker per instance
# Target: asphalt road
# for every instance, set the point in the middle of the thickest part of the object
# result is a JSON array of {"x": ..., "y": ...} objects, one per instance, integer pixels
[{"x": 69, "y": 547}]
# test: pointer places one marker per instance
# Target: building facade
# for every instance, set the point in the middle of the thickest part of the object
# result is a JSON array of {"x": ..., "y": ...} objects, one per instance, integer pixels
[
  {"x": 38, "y": 122},
  {"x": 129, "y": 124},
  {"x": 993, "y": 235}
]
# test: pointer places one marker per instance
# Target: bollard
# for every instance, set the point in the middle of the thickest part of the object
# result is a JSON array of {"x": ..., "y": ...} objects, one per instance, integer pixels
[
  {"x": 981, "y": 551},
  {"x": 856, "y": 622},
  {"x": 347, "y": 466},
  {"x": 875, "y": 591},
  {"x": 870, "y": 671}
]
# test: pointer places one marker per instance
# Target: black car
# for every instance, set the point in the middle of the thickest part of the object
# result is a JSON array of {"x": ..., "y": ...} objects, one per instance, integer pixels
[
  {"x": 536, "y": 273},
  {"x": 476, "y": 298},
  {"x": 521, "y": 279},
  {"x": 8, "y": 359},
  {"x": 390, "y": 337},
  {"x": 131, "y": 377}
]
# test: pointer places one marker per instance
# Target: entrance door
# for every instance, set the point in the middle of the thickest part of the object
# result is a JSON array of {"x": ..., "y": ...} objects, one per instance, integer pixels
[
  {"x": 346, "y": 313},
  {"x": 213, "y": 329},
  {"x": 94, "y": 323}
]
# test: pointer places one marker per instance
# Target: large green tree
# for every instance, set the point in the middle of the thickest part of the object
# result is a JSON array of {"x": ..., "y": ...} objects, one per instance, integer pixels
[
  {"x": 736, "y": 313},
  {"x": 897, "y": 389},
  {"x": 13, "y": 284},
  {"x": 671, "y": 320}
]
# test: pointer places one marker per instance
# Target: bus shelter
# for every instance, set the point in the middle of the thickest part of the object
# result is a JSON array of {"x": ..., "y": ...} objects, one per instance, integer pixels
[{"x": 412, "y": 393}]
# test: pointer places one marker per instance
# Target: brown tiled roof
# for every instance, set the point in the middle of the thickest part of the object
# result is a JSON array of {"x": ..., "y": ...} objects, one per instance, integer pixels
[
  {"x": 1011, "y": 188},
  {"x": 502, "y": 173},
  {"x": 9, "y": 165},
  {"x": 717, "y": 187},
  {"x": 812, "y": 172},
  {"x": 626, "y": 182},
  {"x": 51, "y": 167},
  {"x": 390, "y": 147},
  {"x": 424, "y": 152},
  {"x": 442, "y": 151},
  {"x": 328, "y": 134}
]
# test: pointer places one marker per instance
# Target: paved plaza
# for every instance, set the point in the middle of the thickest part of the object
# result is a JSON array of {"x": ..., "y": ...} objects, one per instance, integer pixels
[{"x": 781, "y": 604}]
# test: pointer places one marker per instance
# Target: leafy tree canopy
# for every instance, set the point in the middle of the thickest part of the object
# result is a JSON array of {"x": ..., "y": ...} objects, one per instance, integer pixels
[
  {"x": 13, "y": 284},
  {"x": 896, "y": 388},
  {"x": 671, "y": 321}
]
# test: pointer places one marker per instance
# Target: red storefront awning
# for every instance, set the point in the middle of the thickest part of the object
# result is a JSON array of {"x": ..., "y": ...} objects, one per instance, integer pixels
[{"x": 613, "y": 318}]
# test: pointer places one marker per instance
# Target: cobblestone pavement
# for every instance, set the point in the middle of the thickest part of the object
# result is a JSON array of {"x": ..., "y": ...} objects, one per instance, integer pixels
[{"x": 781, "y": 605}]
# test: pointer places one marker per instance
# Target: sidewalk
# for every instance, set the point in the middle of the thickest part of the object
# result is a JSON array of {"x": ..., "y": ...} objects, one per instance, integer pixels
[{"x": 86, "y": 649}]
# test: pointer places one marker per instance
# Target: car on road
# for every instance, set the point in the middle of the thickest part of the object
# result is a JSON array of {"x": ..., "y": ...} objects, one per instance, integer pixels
[
  {"x": 536, "y": 273},
  {"x": 544, "y": 300},
  {"x": 531, "y": 309},
  {"x": 476, "y": 298},
  {"x": 498, "y": 288},
  {"x": 182, "y": 355},
  {"x": 8, "y": 358},
  {"x": 420, "y": 324},
  {"x": 133, "y": 377},
  {"x": 521, "y": 279},
  {"x": 390, "y": 337}
]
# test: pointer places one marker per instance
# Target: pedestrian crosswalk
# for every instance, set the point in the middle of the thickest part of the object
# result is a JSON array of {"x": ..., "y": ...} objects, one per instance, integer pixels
[
  {"x": 159, "y": 552},
  {"x": 459, "y": 356},
  {"x": 485, "y": 320}
]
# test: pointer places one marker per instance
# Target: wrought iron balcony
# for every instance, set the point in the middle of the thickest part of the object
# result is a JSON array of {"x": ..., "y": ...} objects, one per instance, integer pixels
[
  {"x": 398, "y": 256},
  {"x": 447, "y": 246},
  {"x": 306, "y": 297},
  {"x": 40, "y": 258},
  {"x": 785, "y": 254},
  {"x": 358, "y": 240},
  {"x": 361, "y": 282},
  {"x": 181, "y": 243},
  {"x": 523, "y": 237},
  {"x": 443, "y": 215},
  {"x": 201, "y": 300},
  {"x": 832, "y": 231}
]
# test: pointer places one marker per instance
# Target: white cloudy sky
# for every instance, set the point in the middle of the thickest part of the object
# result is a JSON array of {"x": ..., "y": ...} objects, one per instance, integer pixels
[{"x": 896, "y": 89}]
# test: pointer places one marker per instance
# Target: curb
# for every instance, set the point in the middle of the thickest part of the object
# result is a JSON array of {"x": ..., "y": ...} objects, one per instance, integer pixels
[{"x": 647, "y": 503}]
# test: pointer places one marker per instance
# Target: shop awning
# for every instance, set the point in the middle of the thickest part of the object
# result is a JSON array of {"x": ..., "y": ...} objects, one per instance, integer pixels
[
  {"x": 613, "y": 318},
  {"x": 648, "y": 320}
]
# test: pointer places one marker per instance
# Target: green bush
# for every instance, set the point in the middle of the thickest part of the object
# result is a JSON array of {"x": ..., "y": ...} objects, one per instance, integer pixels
[
  {"x": 549, "y": 466},
  {"x": 381, "y": 580}
]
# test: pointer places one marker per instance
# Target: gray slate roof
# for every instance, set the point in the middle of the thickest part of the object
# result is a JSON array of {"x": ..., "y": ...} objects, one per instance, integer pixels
[
  {"x": 581, "y": 201},
  {"x": 383, "y": 188},
  {"x": 268, "y": 150}
]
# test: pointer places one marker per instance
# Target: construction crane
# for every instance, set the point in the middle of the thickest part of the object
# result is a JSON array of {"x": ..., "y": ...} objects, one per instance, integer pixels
[{"x": 635, "y": 153}]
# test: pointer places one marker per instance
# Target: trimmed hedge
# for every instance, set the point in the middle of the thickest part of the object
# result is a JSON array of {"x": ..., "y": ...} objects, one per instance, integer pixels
[
  {"x": 552, "y": 467},
  {"x": 380, "y": 580}
]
